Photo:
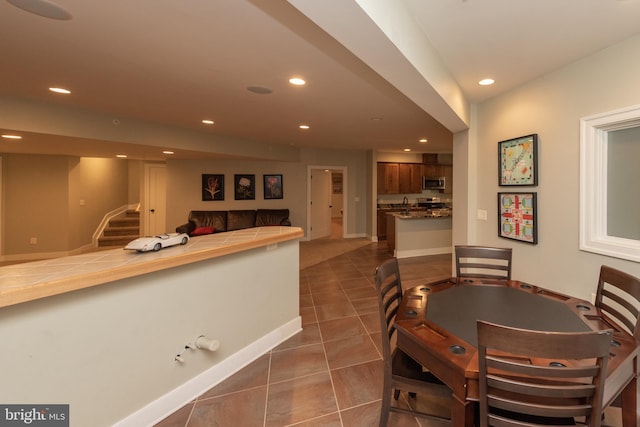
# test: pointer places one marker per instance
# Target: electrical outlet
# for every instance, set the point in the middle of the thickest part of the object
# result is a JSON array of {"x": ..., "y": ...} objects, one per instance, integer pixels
[
  {"x": 33, "y": 241},
  {"x": 482, "y": 214}
]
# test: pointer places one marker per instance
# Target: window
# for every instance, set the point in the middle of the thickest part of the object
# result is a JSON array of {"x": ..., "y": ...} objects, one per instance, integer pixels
[{"x": 610, "y": 184}]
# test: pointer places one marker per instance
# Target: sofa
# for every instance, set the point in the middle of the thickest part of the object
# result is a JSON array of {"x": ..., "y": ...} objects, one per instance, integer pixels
[{"x": 208, "y": 222}]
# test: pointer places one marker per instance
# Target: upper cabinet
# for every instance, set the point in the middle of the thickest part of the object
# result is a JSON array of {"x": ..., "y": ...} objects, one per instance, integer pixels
[
  {"x": 410, "y": 178},
  {"x": 406, "y": 178},
  {"x": 399, "y": 178},
  {"x": 388, "y": 178}
]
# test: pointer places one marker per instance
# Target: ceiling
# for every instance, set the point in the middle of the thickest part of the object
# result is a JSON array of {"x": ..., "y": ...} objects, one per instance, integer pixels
[{"x": 176, "y": 62}]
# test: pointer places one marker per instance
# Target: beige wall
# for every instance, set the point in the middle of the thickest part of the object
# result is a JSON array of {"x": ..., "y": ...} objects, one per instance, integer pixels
[
  {"x": 59, "y": 200},
  {"x": 184, "y": 181},
  {"x": 35, "y": 203},
  {"x": 551, "y": 106}
]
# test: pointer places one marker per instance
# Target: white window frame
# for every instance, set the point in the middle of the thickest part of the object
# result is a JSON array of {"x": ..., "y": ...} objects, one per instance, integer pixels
[{"x": 593, "y": 184}]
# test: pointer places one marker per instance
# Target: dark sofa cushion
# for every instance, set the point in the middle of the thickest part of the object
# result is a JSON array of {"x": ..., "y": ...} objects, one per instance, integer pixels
[
  {"x": 240, "y": 219},
  {"x": 215, "y": 219},
  {"x": 272, "y": 217}
]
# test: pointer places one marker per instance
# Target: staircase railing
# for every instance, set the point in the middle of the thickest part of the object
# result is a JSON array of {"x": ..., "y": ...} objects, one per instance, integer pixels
[{"x": 108, "y": 217}]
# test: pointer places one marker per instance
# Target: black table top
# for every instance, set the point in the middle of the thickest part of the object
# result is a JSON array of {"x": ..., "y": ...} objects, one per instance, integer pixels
[{"x": 458, "y": 308}]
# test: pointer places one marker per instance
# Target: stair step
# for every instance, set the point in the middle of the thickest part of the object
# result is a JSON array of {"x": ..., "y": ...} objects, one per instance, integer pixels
[
  {"x": 115, "y": 240},
  {"x": 124, "y": 222},
  {"x": 122, "y": 231}
]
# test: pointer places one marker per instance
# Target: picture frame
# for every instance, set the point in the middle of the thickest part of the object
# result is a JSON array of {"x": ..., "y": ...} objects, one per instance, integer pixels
[
  {"x": 517, "y": 217},
  {"x": 273, "y": 187},
  {"x": 212, "y": 187},
  {"x": 244, "y": 187},
  {"x": 518, "y": 161}
]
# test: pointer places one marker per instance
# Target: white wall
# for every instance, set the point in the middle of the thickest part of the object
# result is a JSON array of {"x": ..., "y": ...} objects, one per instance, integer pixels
[
  {"x": 551, "y": 106},
  {"x": 108, "y": 351}
]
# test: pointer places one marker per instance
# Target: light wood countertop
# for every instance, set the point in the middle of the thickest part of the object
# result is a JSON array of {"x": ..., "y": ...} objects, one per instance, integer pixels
[{"x": 34, "y": 280}]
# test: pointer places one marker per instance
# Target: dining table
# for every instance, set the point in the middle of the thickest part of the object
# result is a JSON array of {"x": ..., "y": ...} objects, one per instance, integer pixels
[{"x": 436, "y": 325}]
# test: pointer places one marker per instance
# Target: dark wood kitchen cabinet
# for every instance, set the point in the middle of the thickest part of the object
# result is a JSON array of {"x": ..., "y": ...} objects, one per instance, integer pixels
[
  {"x": 388, "y": 178},
  {"x": 410, "y": 178},
  {"x": 399, "y": 178}
]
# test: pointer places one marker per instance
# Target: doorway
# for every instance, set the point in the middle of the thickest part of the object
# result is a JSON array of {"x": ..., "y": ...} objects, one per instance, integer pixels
[
  {"x": 155, "y": 199},
  {"x": 326, "y": 202}
]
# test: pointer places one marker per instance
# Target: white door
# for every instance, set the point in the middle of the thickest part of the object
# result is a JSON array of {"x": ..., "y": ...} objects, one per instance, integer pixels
[
  {"x": 320, "y": 203},
  {"x": 155, "y": 213}
]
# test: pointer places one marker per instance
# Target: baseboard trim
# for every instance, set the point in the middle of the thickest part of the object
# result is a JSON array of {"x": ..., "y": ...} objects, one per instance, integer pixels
[
  {"x": 161, "y": 408},
  {"x": 422, "y": 252}
]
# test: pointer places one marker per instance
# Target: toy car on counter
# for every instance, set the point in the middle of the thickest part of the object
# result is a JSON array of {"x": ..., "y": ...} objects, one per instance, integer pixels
[{"x": 157, "y": 242}]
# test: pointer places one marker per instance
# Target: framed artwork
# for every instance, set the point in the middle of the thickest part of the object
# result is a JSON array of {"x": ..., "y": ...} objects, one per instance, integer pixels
[
  {"x": 517, "y": 217},
  {"x": 244, "y": 187},
  {"x": 273, "y": 187},
  {"x": 518, "y": 161},
  {"x": 212, "y": 187}
]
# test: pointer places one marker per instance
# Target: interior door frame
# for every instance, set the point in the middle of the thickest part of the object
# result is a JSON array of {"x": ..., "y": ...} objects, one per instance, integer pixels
[
  {"x": 146, "y": 187},
  {"x": 345, "y": 207}
]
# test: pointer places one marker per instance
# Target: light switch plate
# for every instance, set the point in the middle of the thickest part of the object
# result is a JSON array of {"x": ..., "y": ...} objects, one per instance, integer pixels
[{"x": 482, "y": 214}]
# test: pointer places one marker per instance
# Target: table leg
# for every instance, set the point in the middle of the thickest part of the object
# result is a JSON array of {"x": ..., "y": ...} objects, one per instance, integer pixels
[
  {"x": 629, "y": 400},
  {"x": 463, "y": 412}
]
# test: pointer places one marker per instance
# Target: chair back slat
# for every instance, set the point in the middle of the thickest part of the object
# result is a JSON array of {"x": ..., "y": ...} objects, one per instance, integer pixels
[
  {"x": 618, "y": 297},
  {"x": 483, "y": 262},
  {"x": 540, "y": 377}
]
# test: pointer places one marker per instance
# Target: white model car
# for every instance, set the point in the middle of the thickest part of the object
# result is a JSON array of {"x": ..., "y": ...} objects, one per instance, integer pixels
[{"x": 155, "y": 243}]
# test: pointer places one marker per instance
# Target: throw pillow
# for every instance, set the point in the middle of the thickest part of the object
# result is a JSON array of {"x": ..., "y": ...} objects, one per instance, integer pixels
[{"x": 200, "y": 231}]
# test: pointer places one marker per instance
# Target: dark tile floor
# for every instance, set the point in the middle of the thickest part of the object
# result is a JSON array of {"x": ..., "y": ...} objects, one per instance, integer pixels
[{"x": 330, "y": 374}]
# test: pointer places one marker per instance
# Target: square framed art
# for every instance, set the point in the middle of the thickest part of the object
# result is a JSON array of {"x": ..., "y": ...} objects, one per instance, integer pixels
[
  {"x": 273, "y": 187},
  {"x": 518, "y": 161},
  {"x": 244, "y": 187},
  {"x": 212, "y": 187},
  {"x": 517, "y": 217}
]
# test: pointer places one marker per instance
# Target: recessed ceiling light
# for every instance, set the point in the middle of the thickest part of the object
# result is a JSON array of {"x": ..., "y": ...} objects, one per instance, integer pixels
[
  {"x": 406, "y": 149},
  {"x": 121, "y": 156},
  {"x": 297, "y": 81},
  {"x": 207, "y": 122},
  {"x": 60, "y": 90},
  {"x": 304, "y": 126},
  {"x": 423, "y": 140},
  {"x": 486, "y": 82},
  {"x": 167, "y": 152},
  {"x": 43, "y": 8},
  {"x": 376, "y": 119},
  {"x": 8, "y": 136}
]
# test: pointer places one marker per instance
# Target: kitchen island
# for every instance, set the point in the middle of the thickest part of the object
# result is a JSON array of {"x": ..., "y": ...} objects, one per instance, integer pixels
[{"x": 419, "y": 233}]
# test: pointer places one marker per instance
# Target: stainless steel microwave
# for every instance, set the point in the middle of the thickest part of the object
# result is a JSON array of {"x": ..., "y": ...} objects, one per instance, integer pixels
[{"x": 433, "y": 183}]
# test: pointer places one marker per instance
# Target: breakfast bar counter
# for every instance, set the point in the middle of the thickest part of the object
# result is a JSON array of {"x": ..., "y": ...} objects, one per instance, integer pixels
[
  {"x": 113, "y": 333},
  {"x": 41, "y": 279}
]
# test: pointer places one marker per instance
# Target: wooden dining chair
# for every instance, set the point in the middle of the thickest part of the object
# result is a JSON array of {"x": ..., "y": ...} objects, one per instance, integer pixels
[
  {"x": 401, "y": 372},
  {"x": 618, "y": 297},
  {"x": 483, "y": 261},
  {"x": 523, "y": 379}
]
